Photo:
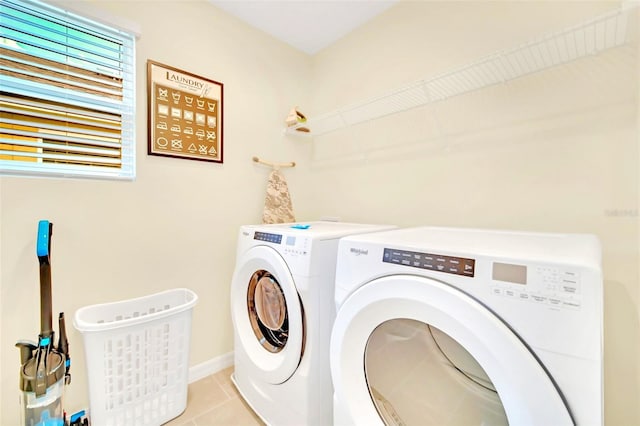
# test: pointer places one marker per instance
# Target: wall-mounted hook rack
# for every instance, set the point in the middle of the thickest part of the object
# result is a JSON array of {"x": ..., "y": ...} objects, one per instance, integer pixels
[{"x": 274, "y": 165}]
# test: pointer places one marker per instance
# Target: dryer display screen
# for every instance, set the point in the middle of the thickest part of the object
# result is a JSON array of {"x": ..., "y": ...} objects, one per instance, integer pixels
[
  {"x": 434, "y": 262},
  {"x": 516, "y": 274},
  {"x": 270, "y": 238}
]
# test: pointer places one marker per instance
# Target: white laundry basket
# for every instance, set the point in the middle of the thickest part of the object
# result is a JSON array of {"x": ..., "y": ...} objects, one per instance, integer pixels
[{"x": 137, "y": 356}]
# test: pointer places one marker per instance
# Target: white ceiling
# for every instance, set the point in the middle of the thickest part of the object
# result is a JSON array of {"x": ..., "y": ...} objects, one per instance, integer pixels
[{"x": 307, "y": 25}]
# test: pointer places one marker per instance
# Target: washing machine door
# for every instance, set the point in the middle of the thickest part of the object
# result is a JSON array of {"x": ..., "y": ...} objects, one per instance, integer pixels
[
  {"x": 434, "y": 355},
  {"x": 267, "y": 314}
]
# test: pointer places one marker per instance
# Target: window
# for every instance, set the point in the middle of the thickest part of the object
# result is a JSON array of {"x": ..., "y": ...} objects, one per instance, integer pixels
[{"x": 66, "y": 94}]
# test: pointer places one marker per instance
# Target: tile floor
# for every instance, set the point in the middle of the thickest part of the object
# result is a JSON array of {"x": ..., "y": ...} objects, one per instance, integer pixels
[{"x": 214, "y": 401}]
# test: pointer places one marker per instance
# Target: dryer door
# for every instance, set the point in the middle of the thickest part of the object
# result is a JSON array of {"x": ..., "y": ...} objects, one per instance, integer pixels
[
  {"x": 267, "y": 314},
  {"x": 433, "y": 355}
]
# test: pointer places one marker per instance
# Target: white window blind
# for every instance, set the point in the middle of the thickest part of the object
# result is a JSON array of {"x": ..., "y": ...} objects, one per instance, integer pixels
[{"x": 66, "y": 94}]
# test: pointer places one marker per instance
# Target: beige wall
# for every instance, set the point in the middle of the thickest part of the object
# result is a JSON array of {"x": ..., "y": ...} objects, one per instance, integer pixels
[
  {"x": 176, "y": 225},
  {"x": 554, "y": 151}
]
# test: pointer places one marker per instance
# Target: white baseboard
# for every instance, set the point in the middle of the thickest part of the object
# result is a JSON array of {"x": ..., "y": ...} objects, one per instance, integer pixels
[{"x": 210, "y": 367}]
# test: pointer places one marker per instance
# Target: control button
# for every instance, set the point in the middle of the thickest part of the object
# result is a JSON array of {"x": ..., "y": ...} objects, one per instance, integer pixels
[
  {"x": 569, "y": 287},
  {"x": 555, "y": 302},
  {"x": 571, "y": 303},
  {"x": 509, "y": 293},
  {"x": 539, "y": 298},
  {"x": 497, "y": 291},
  {"x": 523, "y": 296}
]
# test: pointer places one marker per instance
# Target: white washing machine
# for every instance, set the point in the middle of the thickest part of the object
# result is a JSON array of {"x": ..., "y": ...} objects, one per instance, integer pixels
[
  {"x": 282, "y": 307},
  {"x": 441, "y": 326}
]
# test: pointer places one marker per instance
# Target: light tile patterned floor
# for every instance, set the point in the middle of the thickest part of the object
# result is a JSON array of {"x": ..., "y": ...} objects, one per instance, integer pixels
[{"x": 214, "y": 401}]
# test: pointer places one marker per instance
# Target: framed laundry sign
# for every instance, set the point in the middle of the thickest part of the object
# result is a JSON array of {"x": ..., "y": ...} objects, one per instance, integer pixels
[{"x": 184, "y": 114}]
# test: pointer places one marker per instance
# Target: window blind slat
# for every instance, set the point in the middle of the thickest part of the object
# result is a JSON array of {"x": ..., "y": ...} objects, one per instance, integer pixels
[
  {"x": 57, "y": 37},
  {"x": 60, "y": 128},
  {"x": 23, "y": 61},
  {"x": 57, "y": 107},
  {"x": 61, "y": 157},
  {"x": 34, "y": 89},
  {"x": 52, "y": 146},
  {"x": 49, "y": 16},
  {"x": 64, "y": 83},
  {"x": 60, "y": 137},
  {"x": 66, "y": 118},
  {"x": 60, "y": 53}
]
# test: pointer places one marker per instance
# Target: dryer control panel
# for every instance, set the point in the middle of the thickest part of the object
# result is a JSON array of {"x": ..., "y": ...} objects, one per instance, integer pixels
[
  {"x": 430, "y": 261},
  {"x": 556, "y": 287}
]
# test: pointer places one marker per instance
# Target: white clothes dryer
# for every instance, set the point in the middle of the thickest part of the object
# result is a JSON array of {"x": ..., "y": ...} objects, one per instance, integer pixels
[
  {"x": 282, "y": 307},
  {"x": 439, "y": 326}
]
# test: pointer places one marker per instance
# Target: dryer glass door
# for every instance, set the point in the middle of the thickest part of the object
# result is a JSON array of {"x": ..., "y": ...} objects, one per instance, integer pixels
[
  {"x": 419, "y": 375},
  {"x": 267, "y": 315},
  {"x": 267, "y": 311}
]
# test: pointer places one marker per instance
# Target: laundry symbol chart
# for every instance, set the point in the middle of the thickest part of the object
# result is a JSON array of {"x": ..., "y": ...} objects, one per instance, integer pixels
[{"x": 185, "y": 119}]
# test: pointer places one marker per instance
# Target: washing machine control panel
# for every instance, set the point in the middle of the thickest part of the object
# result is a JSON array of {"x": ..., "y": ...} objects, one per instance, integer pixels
[
  {"x": 268, "y": 237},
  {"x": 431, "y": 261}
]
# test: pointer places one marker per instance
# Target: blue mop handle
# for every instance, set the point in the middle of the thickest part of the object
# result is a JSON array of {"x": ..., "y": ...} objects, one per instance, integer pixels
[{"x": 43, "y": 246}]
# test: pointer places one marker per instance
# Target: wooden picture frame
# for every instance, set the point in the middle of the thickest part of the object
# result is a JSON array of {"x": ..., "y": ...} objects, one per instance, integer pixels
[{"x": 184, "y": 114}]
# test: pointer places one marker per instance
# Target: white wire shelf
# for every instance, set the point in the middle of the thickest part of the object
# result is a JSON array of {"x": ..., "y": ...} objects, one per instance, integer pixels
[{"x": 589, "y": 38}]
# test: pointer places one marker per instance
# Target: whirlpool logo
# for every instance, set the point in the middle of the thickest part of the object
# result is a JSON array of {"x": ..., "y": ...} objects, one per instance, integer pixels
[{"x": 358, "y": 251}]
